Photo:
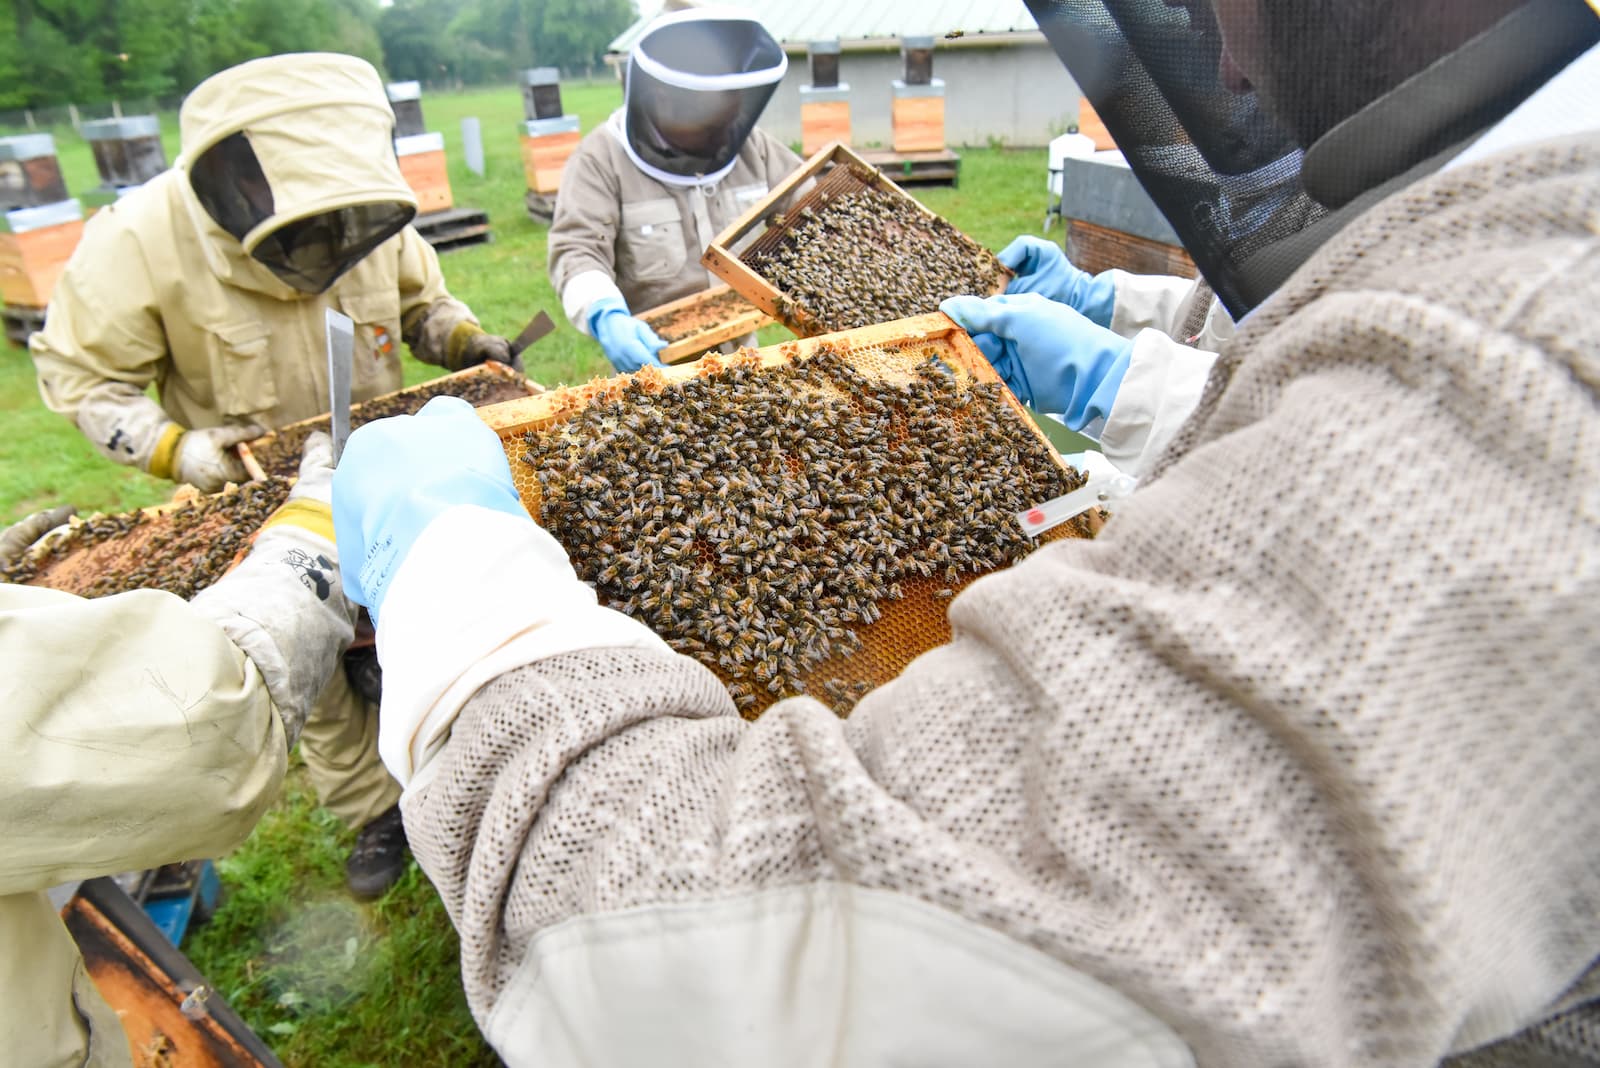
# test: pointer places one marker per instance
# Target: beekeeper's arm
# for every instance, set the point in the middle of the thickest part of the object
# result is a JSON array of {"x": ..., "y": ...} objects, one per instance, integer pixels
[
  {"x": 139, "y": 729},
  {"x": 440, "y": 329},
  {"x": 582, "y": 246},
  {"x": 102, "y": 344},
  {"x": 1157, "y": 794},
  {"x": 583, "y": 236}
]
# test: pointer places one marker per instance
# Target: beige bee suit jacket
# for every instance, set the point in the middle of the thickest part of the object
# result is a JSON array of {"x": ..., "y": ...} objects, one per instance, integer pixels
[
  {"x": 157, "y": 292},
  {"x": 620, "y": 233},
  {"x": 139, "y": 730}
]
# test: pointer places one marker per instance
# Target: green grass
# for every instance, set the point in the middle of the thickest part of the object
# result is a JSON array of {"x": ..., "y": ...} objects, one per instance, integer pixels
[
  {"x": 327, "y": 981},
  {"x": 322, "y": 978}
]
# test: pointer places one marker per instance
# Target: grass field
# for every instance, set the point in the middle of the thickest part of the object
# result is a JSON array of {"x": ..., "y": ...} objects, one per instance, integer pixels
[{"x": 327, "y": 981}]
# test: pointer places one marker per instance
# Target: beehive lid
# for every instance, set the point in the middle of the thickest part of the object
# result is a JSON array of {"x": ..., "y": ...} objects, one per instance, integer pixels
[
  {"x": 691, "y": 325},
  {"x": 181, "y": 547},
  {"x": 278, "y": 453},
  {"x": 864, "y": 251},
  {"x": 759, "y": 493}
]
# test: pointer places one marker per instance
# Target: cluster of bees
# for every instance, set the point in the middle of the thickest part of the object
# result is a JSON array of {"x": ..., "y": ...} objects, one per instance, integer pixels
[
  {"x": 699, "y": 317},
  {"x": 280, "y": 455},
  {"x": 760, "y": 519},
  {"x": 182, "y": 551},
  {"x": 870, "y": 256}
]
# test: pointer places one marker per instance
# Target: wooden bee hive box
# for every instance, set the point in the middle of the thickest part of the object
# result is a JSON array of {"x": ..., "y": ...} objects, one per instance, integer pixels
[
  {"x": 701, "y": 321},
  {"x": 422, "y": 165},
  {"x": 35, "y": 245},
  {"x": 278, "y": 453},
  {"x": 853, "y": 251},
  {"x": 181, "y": 547},
  {"x": 795, "y": 517}
]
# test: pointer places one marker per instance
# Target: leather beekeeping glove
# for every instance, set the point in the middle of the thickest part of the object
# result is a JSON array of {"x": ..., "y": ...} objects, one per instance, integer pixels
[
  {"x": 1041, "y": 267},
  {"x": 471, "y": 345},
  {"x": 284, "y": 605},
  {"x": 629, "y": 343},
  {"x": 18, "y": 538},
  {"x": 130, "y": 428},
  {"x": 1051, "y": 356}
]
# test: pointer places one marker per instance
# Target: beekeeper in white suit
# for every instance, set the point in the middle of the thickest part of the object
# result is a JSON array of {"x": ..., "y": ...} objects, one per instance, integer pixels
[
  {"x": 139, "y": 730},
  {"x": 646, "y": 192},
  {"x": 1294, "y": 764},
  {"x": 210, "y": 282}
]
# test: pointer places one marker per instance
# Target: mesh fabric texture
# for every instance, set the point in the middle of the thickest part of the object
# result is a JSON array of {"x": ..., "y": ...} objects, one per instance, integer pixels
[{"x": 1299, "y": 754}]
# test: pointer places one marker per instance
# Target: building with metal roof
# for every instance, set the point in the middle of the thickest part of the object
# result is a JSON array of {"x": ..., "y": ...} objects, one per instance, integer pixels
[{"x": 1003, "y": 82}]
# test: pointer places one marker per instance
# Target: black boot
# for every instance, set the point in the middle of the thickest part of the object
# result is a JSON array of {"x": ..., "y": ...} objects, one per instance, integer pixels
[
  {"x": 366, "y": 677},
  {"x": 379, "y": 856}
]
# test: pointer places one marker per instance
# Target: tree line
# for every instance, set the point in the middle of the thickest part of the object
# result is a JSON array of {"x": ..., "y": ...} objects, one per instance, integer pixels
[{"x": 55, "y": 52}]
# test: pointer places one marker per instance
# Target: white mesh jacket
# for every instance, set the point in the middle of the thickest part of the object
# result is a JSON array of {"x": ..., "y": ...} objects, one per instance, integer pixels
[{"x": 1294, "y": 765}]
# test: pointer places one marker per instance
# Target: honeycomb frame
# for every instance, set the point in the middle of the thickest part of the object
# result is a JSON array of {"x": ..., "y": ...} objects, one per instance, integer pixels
[
  {"x": 906, "y": 626},
  {"x": 836, "y": 171}
]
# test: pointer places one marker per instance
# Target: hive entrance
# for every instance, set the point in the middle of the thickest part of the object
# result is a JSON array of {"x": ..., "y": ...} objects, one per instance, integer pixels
[{"x": 798, "y": 525}]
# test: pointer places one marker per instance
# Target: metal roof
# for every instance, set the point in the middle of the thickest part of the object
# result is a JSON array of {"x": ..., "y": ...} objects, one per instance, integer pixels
[{"x": 851, "y": 20}]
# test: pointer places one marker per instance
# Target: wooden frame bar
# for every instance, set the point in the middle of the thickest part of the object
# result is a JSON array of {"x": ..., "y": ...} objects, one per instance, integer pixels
[
  {"x": 321, "y": 422},
  {"x": 686, "y": 346}
]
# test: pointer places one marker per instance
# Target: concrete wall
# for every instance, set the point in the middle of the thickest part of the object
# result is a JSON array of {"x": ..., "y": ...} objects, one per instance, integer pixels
[{"x": 1018, "y": 93}]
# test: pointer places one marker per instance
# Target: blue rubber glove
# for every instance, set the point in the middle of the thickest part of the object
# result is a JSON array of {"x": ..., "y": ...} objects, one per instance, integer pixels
[
  {"x": 1041, "y": 267},
  {"x": 397, "y": 475},
  {"x": 628, "y": 343},
  {"x": 1051, "y": 356}
]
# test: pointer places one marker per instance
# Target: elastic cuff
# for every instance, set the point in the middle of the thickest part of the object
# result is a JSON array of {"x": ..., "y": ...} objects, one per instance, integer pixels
[
  {"x": 579, "y": 295},
  {"x": 309, "y": 515},
  {"x": 165, "y": 455},
  {"x": 455, "y": 349}
]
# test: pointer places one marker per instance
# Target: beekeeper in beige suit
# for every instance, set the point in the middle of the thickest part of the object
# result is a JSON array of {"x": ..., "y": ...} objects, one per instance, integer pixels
[
  {"x": 210, "y": 282},
  {"x": 139, "y": 730},
  {"x": 646, "y": 192},
  {"x": 1294, "y": 764}
]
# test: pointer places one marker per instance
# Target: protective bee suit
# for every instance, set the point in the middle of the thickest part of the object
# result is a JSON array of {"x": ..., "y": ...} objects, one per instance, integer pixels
[
  {"x": 1292, "y": 765},
  {"x": 210, "y": 282},
  {"x": 139, "y": 730},
  {"x": 644, "y": 194}
]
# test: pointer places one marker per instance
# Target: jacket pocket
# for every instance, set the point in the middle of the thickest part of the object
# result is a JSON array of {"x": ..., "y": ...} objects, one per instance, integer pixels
[
  {"x": 746, "y": 197},
  {"x": 650, "y": 243},
  {"x": 242, "y": 377},
  {"x": 375, "y": 365}
]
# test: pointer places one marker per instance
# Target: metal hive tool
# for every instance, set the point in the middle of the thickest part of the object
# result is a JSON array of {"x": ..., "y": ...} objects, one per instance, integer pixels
[{"x": 714, "y": 580}]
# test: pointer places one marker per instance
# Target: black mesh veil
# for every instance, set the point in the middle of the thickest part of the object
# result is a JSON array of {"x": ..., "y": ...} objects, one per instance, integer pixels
[
  {"x": 697, "y": 82},
  {"x": 1378, "y": 95},
  {"x": 1221, "y": 171}
]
